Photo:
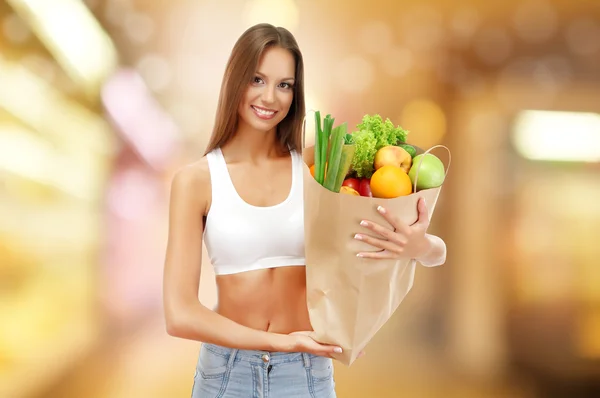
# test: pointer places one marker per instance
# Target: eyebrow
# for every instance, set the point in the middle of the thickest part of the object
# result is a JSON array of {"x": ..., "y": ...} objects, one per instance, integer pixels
[{"x": 287, "y": 78}]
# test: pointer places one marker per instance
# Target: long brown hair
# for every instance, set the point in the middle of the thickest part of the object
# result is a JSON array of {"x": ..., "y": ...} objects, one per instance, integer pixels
[{"x": 239, "y": 72}]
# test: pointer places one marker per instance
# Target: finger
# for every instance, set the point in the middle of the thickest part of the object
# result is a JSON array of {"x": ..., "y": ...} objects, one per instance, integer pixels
[
  {"x": 395, "y": 222},
  {"x": 423, "y": 214},
  {"x": 386, "y": 233},
  {"x": 381, "y": 255},
  {"x": 328, "y": 351},
  {"x": 380, "y": 243}
]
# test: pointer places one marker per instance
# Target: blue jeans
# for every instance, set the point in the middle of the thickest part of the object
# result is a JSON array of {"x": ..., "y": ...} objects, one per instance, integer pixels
[{"x": 231, "y": 373}]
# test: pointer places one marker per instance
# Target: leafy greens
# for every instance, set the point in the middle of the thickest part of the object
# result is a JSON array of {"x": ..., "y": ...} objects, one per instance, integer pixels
[{"x": 372, "y": 134}]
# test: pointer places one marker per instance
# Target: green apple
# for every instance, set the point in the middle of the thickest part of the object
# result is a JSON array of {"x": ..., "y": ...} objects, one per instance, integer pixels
[{"x": 431, "y": 173}]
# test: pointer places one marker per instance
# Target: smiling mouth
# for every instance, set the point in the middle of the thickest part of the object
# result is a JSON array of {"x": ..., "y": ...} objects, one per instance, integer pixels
[{"x": 263, "y": 113}]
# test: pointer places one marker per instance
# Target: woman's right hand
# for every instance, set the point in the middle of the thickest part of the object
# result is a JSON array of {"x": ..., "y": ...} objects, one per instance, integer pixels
[{"x": 305, "y": 343}]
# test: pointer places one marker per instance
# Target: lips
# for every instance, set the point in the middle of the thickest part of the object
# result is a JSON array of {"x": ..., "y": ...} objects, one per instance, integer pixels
[{"x": 263, "y": 113}]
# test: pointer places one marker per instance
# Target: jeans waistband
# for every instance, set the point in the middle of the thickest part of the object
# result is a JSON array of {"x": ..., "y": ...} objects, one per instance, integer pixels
[{"x": 260, "y": 357}]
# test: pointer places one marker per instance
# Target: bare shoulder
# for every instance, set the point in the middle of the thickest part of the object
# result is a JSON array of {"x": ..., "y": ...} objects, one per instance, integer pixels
[
  {"x": 191, "y": 184},
  {"x": 192, "y": 175}
]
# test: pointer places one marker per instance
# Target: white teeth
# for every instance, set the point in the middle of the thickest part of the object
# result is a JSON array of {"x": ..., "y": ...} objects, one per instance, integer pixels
[{"x": 263, "y": 112}]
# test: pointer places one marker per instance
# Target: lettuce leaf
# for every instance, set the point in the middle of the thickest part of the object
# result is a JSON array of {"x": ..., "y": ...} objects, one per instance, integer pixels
[
  {"x": 364, "y": 155},
  {"x": 373, "y": 133}
]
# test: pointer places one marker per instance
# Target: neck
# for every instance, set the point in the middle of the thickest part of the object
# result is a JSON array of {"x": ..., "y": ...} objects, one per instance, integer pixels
[{"x": 253, "y": 144}]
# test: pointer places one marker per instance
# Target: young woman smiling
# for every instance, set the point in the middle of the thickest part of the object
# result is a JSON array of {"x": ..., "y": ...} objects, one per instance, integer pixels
[{"x": 244, "y": 199}]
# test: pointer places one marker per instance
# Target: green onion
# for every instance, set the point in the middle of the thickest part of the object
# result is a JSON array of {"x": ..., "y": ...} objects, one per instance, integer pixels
[
  {"x": 335, "y": 156},
  {"x": 327, "y": 127},
  {"x": 325, "y": 134},
  {"x": 319, "y": 165}
]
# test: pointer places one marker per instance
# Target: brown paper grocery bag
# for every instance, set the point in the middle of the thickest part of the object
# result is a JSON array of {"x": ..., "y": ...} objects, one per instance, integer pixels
[{"x": 350, "y": 298}]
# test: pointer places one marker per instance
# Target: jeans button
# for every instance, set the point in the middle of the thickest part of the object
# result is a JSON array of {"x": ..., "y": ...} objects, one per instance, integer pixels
[{"x": 265, "y": 358}]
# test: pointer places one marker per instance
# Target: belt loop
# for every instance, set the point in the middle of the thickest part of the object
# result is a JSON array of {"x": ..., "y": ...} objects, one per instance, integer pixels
[
  {"x": 306, "y": 359},
  {"x": 232, "y": 356}
]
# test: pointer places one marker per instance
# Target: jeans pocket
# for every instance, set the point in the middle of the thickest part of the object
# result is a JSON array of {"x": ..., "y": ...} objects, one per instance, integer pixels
[
  {"x": 211, "y": 365},
  {"x": 321, "y": 369}
]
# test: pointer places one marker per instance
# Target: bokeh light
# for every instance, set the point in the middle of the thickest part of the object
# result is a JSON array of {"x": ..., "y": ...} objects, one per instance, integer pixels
[
  {"x": 535, "y": 21},
  {"x": 139, "y": 27},
  {"x": 375, "y": 37},
  {"x": 463, "y": 25},
  {"x": 493, "y": 45},
  {"x": 276, "y": 12},
  {"x": 15, "y": 30},
  {"x": 116, "y": 11},
  {"x": 397, "y": 61},
  {"x": 354, "y": 74},
  {"x": 156, "y": 71},
  {"x": 546, "y": 77},
  {"x": 583, "y": 36},
  {"x": 538, "y": 135},
  {"x": 422, "y": 27},
  {"x": 425, "y": 121}
]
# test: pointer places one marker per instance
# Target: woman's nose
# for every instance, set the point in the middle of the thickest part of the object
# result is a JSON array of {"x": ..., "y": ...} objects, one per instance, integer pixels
[{"x": 269, "y": 94}]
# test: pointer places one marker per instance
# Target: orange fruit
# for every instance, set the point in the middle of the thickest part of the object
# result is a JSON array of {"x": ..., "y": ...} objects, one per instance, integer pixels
[
  {"x": 390, "y": 182},
  {"x": 312, "y": 170}
]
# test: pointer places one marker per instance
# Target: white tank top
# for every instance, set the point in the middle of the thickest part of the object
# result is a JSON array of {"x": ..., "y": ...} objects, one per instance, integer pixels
[{"x": 241, "y": 237}]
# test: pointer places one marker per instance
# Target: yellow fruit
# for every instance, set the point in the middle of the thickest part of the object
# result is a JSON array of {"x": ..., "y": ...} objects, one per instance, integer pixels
[
  {"x": 394, "y": 156},
  {"x": 390, "y": 182},
  {"x": 312, "y": 170},
  {"x": 349, "y": 191}
]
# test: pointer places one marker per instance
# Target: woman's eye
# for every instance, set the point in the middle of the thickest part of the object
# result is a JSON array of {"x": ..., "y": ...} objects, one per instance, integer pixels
[
  {"x": 257, "y": 79},
  {"x": 286, "y": 85}
]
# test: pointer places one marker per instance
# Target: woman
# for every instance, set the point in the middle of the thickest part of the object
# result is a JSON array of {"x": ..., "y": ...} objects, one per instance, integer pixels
[{"x": 244, "y": 199}]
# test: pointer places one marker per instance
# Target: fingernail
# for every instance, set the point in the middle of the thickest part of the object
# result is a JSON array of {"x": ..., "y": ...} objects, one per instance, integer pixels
[
  {"x": 364, "y": 223},
  {"x": 357, "y": 236},
  {"x": 338, "y": 350},
  {"x": 381, "y": 209},
  {"x": 359, "y": 255}
]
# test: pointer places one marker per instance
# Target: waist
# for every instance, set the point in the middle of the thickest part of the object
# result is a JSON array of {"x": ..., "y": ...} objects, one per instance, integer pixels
[
  {"x": 259, "y": 357},
  {"x": 272, "y": 300}
]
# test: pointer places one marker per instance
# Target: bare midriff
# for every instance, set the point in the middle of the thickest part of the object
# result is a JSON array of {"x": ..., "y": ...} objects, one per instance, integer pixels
[{"x": 272, "y": 300}]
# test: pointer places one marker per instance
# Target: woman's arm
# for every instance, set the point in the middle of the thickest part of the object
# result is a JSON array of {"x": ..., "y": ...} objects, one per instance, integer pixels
[
  {"x": 410, "y": 241},
  {"x": 185, "y": 316},
  {"x": 434, "y": 253}
]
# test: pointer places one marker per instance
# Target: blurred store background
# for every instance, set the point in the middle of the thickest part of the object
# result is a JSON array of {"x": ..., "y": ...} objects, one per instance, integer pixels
[{"x": 101, "y": 100}]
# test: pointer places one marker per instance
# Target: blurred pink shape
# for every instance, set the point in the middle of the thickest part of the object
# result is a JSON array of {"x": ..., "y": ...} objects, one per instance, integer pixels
[{"x": 139, "y": 118}]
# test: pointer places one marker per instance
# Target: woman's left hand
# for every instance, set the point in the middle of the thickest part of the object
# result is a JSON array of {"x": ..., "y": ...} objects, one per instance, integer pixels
[{"x": 408, "y": 241}]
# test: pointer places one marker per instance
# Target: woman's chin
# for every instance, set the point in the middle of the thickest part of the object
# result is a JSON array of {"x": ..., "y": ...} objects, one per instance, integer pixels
[{"x": 264, "y": 126}]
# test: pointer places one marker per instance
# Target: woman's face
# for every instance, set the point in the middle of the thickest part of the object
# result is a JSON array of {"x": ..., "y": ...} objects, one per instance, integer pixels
[{"x": 269, "y": 96}]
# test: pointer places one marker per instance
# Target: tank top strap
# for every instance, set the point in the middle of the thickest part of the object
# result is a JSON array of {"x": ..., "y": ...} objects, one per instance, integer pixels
[
  {"x": 221, "y": 185},
  {"x": 296, "y": 169}
]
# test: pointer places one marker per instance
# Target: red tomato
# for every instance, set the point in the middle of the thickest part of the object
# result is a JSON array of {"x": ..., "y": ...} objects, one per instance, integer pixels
[
  {"x": 353, "y": 183},
  {"x": 364, "y": 188}
]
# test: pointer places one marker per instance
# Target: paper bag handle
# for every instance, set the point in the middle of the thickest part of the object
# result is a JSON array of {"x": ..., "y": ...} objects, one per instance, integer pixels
[
  {"x": 304, "y": 127},
  {"x": 423, "y": 157}
]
